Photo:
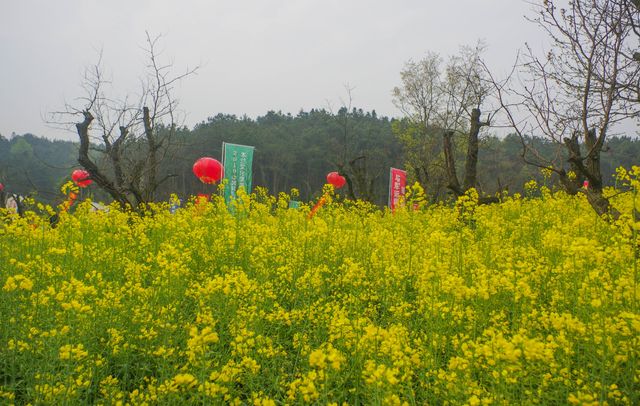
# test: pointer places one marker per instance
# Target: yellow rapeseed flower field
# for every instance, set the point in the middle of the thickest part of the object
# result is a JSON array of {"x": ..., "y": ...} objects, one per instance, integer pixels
[{"x": 531, "y": 301}]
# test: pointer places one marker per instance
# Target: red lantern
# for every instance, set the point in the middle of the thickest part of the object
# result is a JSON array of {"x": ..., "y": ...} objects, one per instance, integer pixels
[
  {"x": 81, "y": 178},
  {"x": 1, "y": 187},
  {"x": 336, "y": 180},
  {"x": 585, "y": 184},
  {"x": 208, "y": 170}
]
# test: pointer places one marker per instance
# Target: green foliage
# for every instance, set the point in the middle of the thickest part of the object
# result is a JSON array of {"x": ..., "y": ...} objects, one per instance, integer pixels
[
  {"x": 31, "y": 165},
  {"x": 291, "y": 151},
  {"x": 297, "y": 152}
]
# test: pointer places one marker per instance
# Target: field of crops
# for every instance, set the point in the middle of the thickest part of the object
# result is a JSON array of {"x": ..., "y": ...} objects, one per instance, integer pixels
[{"x": 533, "y": 300}]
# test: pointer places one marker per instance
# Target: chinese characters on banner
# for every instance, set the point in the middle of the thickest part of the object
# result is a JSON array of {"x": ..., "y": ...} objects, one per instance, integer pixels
[
  {"x": 238, "y": 164},
  {"x": 397, "y": 187}
]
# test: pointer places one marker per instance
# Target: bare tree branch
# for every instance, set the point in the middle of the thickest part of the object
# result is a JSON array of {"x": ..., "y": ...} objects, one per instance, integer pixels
[
  {"x": 584, "y": 85},
  {"x": 132, "y": 138}
]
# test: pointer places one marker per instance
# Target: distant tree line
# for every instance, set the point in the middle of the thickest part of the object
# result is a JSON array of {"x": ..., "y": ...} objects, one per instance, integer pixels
[
  {"x": 296, "y": 151},
  {"x": 561, "y": 106}
]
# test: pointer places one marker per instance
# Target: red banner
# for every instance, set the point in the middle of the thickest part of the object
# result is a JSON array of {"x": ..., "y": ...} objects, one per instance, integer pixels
[{"x": 397, "y": 187}]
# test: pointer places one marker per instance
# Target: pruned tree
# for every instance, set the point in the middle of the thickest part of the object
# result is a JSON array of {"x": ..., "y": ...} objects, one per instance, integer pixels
[
  {"x": 577, "y": 92},
  {"x": 123, "y": 141},
  {"x": 444, "y": 105},
  {"x": 466, "y": 90}
]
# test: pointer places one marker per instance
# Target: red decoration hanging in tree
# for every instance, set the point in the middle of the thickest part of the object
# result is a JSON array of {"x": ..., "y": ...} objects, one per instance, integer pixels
[
  {"x": 336, "y": 180},
  {"x": 1, "y": 187},
  {"x": 81, "y": 178},
  {"x": 208, "y": 170}
]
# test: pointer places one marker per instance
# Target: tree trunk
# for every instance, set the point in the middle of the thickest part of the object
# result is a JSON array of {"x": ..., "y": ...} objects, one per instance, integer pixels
[
  {"x": 360, "y": 176},
  {"x": 115, "y": 154},
  {"x": 592, "y": 161},
  {"x": 86, "y": 162},
  {"x": 350, "y": 191},
  {"x": 471, "y": 161},
  {"x": 450, "y": 163},
  {"x": 422, "y": 174},
  {"x": 588, "y": 168},
  {"x": 150, "y": 184},
  {"x": 471, "y": 164},
  {"x": 601, "y": 204},
  {"x": 572, "y": 186}
]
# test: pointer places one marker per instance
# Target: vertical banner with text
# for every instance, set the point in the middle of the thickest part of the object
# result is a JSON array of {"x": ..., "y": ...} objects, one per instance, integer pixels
[
  {"x": 238, "y": 167},
  {"x": 397, "y": 187}
]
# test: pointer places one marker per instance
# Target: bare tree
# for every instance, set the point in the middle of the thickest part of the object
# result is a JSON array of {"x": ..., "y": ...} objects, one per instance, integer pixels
[
  {"x": 353, "y": 162},
  {"x": 573, "y": 96},
  {"x": 123, "y": 142}
]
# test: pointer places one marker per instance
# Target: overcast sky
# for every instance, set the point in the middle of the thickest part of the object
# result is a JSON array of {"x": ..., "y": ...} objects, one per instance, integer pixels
[{"x": 254, "y": 55}]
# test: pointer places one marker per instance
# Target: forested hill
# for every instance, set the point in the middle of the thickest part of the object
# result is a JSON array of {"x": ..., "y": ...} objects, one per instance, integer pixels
[
  {"x": 31, "y": 165},
  {"x": 292, "y": 151}
]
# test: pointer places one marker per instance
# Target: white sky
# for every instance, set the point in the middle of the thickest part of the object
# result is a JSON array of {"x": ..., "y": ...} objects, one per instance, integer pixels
[{"x": 254, "y": 55}]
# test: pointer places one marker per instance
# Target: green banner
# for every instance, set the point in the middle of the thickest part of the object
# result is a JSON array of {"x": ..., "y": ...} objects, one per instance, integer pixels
[{"x": 238, "y": 165}]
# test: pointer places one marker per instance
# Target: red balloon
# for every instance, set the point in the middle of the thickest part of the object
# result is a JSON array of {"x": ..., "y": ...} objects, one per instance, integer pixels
[
  {"x": 81, "y": 178},
  {"x": 208, "y": 170},
  {"x": 336, "y": 180}
]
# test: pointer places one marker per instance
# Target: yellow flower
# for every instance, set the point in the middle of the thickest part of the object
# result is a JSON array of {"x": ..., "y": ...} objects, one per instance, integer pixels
[
  {"x": 185, "y": 380},
  {"x": 18, "y": 282}
]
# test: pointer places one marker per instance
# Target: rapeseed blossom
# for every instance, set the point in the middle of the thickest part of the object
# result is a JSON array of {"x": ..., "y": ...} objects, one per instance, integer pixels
[{"x": 532, "y": 300}]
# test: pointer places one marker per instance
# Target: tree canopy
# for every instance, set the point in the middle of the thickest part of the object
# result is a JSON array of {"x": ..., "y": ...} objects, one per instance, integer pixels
[{"x": 292, "y": 151}]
